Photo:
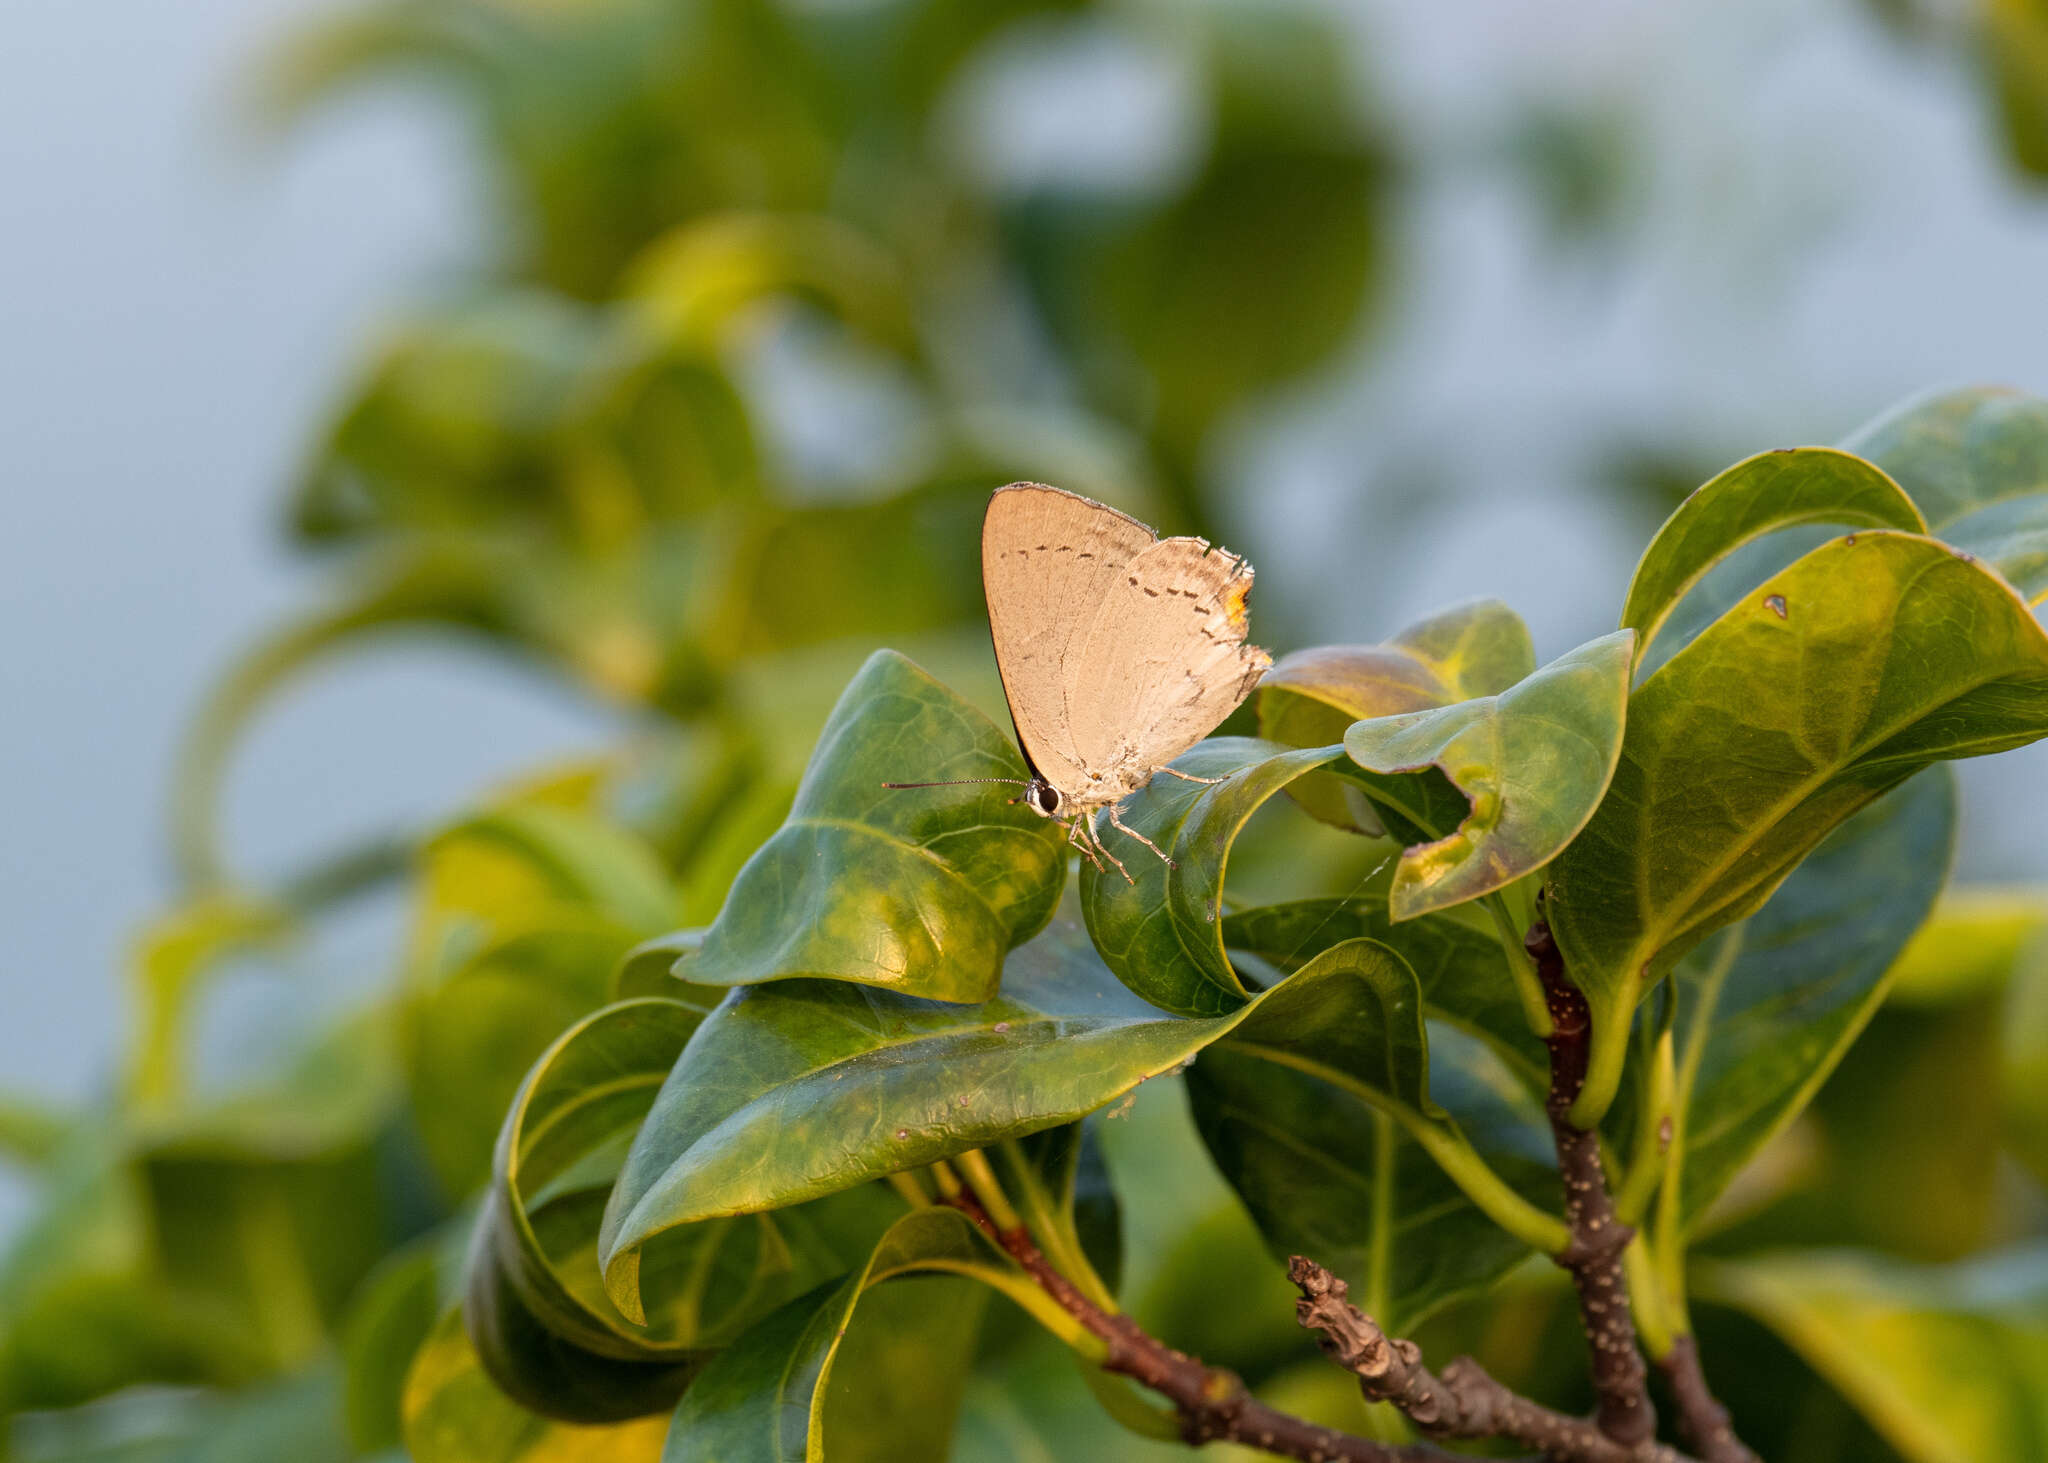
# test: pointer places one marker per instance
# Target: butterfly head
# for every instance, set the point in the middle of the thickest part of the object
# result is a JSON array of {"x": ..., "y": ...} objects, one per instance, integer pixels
[{"x": 1042, "y": 798}]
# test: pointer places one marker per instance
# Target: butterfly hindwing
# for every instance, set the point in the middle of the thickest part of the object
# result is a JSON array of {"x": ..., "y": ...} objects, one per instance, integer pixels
[{"x": 1164, "y": 659}]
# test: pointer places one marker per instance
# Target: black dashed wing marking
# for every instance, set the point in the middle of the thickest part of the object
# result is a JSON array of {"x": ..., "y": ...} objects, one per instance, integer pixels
[
  {"x": 1165, "y": 658},
  {"x": 1047, "y": 559}
]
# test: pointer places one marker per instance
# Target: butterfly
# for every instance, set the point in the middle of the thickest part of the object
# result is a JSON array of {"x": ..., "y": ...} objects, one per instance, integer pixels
[{"x": 1118, "y": 651}]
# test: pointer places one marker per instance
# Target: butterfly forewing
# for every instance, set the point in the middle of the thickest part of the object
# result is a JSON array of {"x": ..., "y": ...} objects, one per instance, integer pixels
[{"x": 1047, "y": 559}]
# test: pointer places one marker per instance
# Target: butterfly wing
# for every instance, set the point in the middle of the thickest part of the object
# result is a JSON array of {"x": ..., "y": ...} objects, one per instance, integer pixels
[
  {"x": 1047, "y": 560},
  {"x": 1164, "y": 659}
]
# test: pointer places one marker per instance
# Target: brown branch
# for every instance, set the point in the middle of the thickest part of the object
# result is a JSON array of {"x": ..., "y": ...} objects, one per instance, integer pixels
[
  {"x": 1463, "y": 1402},
  {"x": 1213, "y": 1404},
  {"x": 1702, "y": 1420},
  {"x": 1598, "y": 1238}
]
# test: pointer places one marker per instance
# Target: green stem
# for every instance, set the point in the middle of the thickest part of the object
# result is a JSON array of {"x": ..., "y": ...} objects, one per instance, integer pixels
[
  {"x": 912, "y": 1191},
  {"x": 1485, "y": 1188},
  {"x": 1379, "y": 1277},
  {"x": 988, "y": 1190},
  {"x": 1655, "y": 1131},
  {"x": 1521, "y": 969},
  {"x": 1049, "y": 1217},
  {"x": 1646, "y": 1298}
]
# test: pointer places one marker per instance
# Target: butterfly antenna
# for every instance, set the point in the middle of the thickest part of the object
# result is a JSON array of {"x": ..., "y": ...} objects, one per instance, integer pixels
[{"x": 964, "y": 782}]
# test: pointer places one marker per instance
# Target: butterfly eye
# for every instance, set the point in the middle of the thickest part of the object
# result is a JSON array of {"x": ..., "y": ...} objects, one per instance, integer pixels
[{"x": 1043, "y": 797}]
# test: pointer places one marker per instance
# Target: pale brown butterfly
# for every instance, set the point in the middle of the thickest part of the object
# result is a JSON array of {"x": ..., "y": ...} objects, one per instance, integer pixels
[{"x": 1118, "y": 651}]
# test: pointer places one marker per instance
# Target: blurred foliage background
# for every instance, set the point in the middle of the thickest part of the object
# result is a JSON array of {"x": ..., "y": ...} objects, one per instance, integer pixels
[{"x": 765, "y": 296}]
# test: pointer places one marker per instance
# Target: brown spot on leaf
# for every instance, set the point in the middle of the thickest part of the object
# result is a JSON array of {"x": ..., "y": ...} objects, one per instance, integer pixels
[{"x": 1775, "y": 603}]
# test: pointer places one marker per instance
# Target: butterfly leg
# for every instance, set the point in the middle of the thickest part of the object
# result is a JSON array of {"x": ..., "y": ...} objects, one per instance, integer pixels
[
  {"x": 1189, "y": 777},
  {"x": 1122, "y": 827},
  {"x": 1088, "y": 821},
  {"x": 1075, "y": 839}
]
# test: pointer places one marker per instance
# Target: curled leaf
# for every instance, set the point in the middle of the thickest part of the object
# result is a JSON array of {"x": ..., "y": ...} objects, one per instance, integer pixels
[{"x": 1533, "y": 763}]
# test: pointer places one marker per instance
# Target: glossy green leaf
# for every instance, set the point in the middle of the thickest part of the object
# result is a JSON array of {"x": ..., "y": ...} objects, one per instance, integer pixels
[
  {"x": 1949, "y": 1363},
  {"x": 1162, "y": 932},
  {"x": 454, "y": 1413},
  {"x": 1311, "y": 696},
  {"x": 766, "y": 1400},
  {"x": 1759, "y": 495},
  {"x": 649, "y": 969},
  {"x": 921, "y": 891},
  {"x": 536, "y": 1309},
  {"x": 1329, "y": 1174},
  {"x": 584, "y": 1099},
  {"x": 1871, "y": 657},
  {"x": 895, "y": 1082},
  {"x": 1456, "y": 957},
  {"x": 1766, "y": 1011},
  {"x": 1976, "y": 461},
  {"x": 471, "y": 1034},
  {"x": 1533, "y": 762},
  {"x": 1309, "y": 1100}
]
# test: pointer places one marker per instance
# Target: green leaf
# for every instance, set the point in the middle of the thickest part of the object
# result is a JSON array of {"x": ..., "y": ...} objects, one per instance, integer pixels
[
  {"x": 1329, "y": 1174},
  {"x": 798, "y": 1089},
  {"x": 1976, "y": 461},
  {"x": 1312, "y": 696},
  {"x": 583, "y": 1101},
  {"x": 1533, "y": 762},
  {"x": 1949, "y": 1363},
  {"x": 1759, "y": 495},
  {"x": 472, "y": 1034},
  {"x": 1873, "y": 656},
  {"x": 1161, "y": 933},
  {"x": 536, "y": 1309},
  {"x": 921, "y": 892},
  {"x": 1305, "y": 1104},
  {"x": 766, "y": 1400},
  {"x": 1456, "y": 956},
  {"x": 1766, "y": 1012},
  {"x": 454, "y": 1413}
]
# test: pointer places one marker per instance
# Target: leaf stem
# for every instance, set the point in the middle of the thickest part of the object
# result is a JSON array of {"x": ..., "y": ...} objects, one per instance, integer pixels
[
  {"x": 912, "y": 1191},
  {"x": 1655, "y": 1130},
  {"x": 1646, "y": 1294},
  {"x": 1049, "y": 1219},
  {"x": 1462, "y": 1164},
  {"x": 1521, "y": 969},
  {"x": 988, "y": 1189}
]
